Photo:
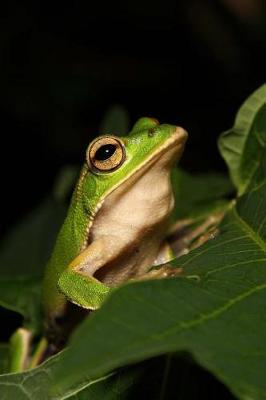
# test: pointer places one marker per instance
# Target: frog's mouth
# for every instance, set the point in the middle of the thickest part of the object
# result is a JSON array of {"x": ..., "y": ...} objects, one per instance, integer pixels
[{"x": 160, "y": 162}]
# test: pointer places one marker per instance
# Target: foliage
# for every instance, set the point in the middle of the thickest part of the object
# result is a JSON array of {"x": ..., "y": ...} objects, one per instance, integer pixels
[
  {"x": 243, "y": 146},
  {"x": 212, "y": 315}
]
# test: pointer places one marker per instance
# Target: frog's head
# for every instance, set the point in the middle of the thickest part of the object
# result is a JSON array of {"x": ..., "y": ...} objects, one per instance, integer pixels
[{"x": 113, "y": 160}]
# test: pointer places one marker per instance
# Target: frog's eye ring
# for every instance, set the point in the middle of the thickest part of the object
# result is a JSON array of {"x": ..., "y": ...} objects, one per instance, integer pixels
[{"x": 105, "y": 154}]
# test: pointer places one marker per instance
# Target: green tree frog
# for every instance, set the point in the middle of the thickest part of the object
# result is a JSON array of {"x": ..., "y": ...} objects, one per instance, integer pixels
[
  {"x": 117, "y": 221},
  {"x": 118, "y": 217}
]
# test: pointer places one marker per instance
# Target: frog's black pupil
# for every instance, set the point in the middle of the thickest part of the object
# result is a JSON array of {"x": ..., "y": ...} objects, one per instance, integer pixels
[{"x": 104, "y": 152}]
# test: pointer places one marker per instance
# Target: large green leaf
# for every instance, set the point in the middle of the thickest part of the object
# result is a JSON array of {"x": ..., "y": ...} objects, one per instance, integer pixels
[
  {"x": 244, "y": 146},
  {"x": 216, "y": 311}
]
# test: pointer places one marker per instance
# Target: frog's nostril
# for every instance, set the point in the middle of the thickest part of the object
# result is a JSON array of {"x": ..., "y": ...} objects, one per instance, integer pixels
[{"x": 151, "y": 132}]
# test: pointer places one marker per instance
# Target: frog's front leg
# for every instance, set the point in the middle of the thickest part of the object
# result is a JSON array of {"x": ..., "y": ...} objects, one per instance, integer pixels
[{"x": 77, "y": 282}]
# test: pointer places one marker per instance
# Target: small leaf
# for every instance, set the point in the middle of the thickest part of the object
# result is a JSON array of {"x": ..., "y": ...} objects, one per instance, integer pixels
[
  {"x": 199, "y": 194},
  {"x": 65, "y": 182},
  {"x": 244, "y": 146},
  {"x": 4, "y": 354},
  {"x": 115, "y": 121},
  {"x": 27, "y": 247},
  {"x": 23, "y": 295},
  {"x": 216, "y": 311}
]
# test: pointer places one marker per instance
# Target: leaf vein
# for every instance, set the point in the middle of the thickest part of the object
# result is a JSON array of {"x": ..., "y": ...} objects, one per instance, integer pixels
[
  {"x": 207, "y": 249},
  {"x": 234, "y": 265},
  {"x": 183, "y": 325},
  {"x": 249, "y": 231}
]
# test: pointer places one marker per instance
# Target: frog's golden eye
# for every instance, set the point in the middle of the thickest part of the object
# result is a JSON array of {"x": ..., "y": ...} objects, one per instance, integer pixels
[{"x": 105, "y": 154}]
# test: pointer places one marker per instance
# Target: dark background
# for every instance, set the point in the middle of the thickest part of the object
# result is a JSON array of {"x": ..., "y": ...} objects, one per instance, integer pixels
[{"x": 190, "y": 63}]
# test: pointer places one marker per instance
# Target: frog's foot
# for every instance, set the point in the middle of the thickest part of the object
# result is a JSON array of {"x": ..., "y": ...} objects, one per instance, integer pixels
[
  {"x": 164, "y": 255},
  {"x": 20, "y": 343},
  {"x": 164, "y": 271},
  {"x": 39, "y": 353},
  {"x": 21, "y": 355},
  {"x": 188, "y": 234}
]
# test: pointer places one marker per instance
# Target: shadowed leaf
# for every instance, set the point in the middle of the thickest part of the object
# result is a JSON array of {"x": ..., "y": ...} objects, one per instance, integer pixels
[
  {"x": 199, "y": 195},
  {"x": 22, "y": 295},
  {"x": 115, "y": 121},
  {"x": 4, "y": 352},
  {"x": 244, "y": 146}
]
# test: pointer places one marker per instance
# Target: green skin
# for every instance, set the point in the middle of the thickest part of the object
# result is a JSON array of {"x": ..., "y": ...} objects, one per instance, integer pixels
[{"x": 62, "y": 282}]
